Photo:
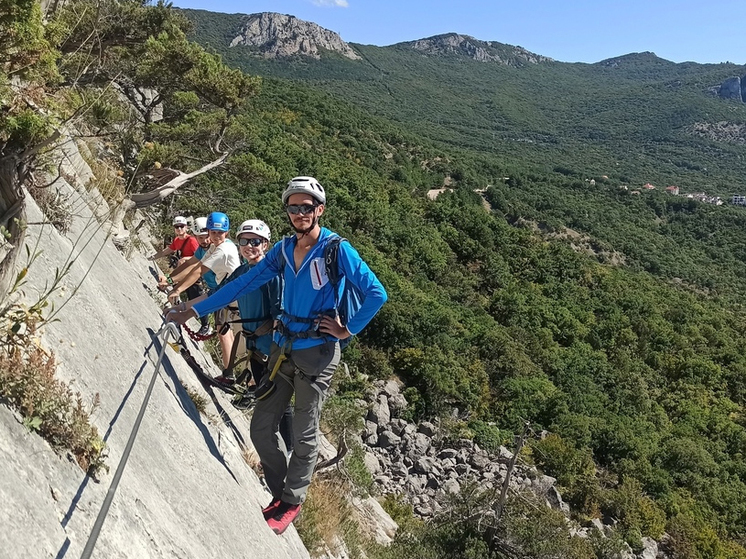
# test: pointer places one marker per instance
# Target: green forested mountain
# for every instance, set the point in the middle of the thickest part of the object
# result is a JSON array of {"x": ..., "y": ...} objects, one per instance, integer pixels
[
  {"x": 612, "y": 320},
  {"x": 628, "y": 118},
  {"x": 637, "y": 367}
]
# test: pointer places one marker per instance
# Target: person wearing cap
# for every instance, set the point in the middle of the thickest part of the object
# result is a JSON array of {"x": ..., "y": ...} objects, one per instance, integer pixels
[
  {"x": 181, "y": 248},
  {"x": 221, "y": 258},
  {"x": 306, "y": 349}
]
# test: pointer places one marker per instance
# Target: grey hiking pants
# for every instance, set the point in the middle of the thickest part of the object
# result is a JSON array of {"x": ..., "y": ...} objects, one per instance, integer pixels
[{"x": 308, "y": 374}]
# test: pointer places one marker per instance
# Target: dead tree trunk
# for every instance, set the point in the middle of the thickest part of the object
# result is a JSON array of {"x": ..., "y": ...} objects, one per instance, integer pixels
[{"x": 12, "y": 215}]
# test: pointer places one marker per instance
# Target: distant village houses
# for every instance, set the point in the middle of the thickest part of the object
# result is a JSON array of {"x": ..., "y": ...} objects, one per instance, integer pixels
[
  {"x": 648, "y": 186},
  {"x": 738, "y": 200},
  {"x": 673, "y": 190},
  {"x": 705, "y": 198}
]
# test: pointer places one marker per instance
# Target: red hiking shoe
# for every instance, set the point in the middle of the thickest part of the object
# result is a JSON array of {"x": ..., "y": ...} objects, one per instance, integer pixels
[
  {"x": 283, "y": 517},
  {"x": 270, "y": 509}
]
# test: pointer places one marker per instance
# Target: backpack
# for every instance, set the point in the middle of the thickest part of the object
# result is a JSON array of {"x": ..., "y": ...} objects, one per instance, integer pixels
[
  {"x": 348, "y": 304},
  {"x": 352, "y": 297}
]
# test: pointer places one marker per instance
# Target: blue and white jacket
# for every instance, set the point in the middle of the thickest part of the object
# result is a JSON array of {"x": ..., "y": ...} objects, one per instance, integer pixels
[{"x": 307, "y": 293}]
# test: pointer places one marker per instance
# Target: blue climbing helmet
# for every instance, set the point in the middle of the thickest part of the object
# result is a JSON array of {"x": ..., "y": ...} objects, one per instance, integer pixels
[{"x": 218, "y": 221}]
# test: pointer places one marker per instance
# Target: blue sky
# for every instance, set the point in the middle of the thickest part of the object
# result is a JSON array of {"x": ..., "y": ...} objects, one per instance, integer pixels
[{"x": 574, "y": 31}]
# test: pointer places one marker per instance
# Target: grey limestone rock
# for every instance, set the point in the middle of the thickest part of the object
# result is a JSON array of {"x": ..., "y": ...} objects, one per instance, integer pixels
[
  {"x": 283, "y": 36},
  {"x": 374, "y": 521},
  {"x": 480, "y": 460},
  {"x": 424, "y": 465},
  {"x": 504, "y": 455},
  {"x": 397, "y": 426},
  {"x": 555, "y": 500},
  {"x": 379, "y": 412},
  {"x": 372, "y": 463},
  {"x": 731, "y": 89},
  {"x": 371, "y": 428},
  {"x": 451, "y": 486},
  {"x": 397, "y": 404},
  {"x": 388, "y": 439},
  {"x": 426, "y": 428},
  {"x": 399, "y": 470},
  {"x": 649, "y": 549},
  {"x": 447, "y": 453}
]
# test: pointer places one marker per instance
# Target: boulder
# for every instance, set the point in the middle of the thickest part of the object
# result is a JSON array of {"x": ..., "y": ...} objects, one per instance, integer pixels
[
  {"x": 399, "y": 470},
  {"x": 374, "y": 521},
  {"x": 397, "y": 426},
  {"x": 447, "y": 453},
  {"x": 465, "y": 444},
  {"x": 371, "y": 463},
  {"x": 388, "y": 439},
  {"x": 451, "y": 486},
  {"x": 555, "y": 500},
  {"x": 397, "y": 404},
  {"x": 426, "y": 428},
  {"x": 649, "y": 549},
  {"x": 479, "y": 460},
  {"x": 420, "y": 444},
  {"x": 424, "y": 465},
  {"x": 371, "y": 428},
  {"x": 504, "y": 455},
  {"x": 379, "y": 412}
]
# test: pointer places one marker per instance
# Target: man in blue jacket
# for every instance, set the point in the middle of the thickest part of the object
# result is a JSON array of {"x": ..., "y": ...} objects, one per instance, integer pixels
[{"x": 306, "y": 341}]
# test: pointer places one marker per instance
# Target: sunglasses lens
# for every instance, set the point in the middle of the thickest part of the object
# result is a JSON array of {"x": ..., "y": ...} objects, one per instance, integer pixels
[
  {"x": 302, "y": 209},
  {"x": 250, "y": 242}
]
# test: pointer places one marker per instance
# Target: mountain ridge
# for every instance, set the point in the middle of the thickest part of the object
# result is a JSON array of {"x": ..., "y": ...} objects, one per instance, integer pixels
[{"x": 238, "y": 20}]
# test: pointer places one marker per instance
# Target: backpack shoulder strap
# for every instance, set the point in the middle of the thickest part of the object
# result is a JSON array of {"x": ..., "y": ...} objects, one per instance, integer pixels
[{"x": 331, "y": 259}]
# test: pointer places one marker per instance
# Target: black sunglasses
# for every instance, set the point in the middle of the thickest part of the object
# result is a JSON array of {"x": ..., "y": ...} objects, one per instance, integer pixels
[
  {"x": 301, "y": 209},
  {"x": 243, "y": 241},
  {"x": 179, "y": 226}
]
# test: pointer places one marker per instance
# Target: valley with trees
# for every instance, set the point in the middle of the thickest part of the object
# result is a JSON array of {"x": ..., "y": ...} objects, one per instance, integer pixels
[{"x": 614, "y": 322}]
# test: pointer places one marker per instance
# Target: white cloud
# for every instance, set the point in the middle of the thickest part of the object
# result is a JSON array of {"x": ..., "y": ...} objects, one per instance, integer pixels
[{"x": 331, "y": 3}]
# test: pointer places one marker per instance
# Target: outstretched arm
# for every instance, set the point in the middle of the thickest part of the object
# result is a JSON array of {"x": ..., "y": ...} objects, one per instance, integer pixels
[
  {"x": 193, "y": 275},
  {"x": 264, "y": 271}
]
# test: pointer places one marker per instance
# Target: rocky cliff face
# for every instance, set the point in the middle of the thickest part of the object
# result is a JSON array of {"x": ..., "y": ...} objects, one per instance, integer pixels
[
  {"x": 481, "y": 51},
  {"x": 733, "y": 88},
  {"x": 188, "y": 490},
  {"x": 283, "y": 36}
]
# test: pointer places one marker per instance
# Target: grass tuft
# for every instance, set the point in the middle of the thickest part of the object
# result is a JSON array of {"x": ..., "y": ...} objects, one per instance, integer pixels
[{"x": 50, "y": 407}]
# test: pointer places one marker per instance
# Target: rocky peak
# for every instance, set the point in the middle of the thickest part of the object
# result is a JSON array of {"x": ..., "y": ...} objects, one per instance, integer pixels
[
  {"x": 283, "y": 36},
  {"x": 481, "y": 51}
]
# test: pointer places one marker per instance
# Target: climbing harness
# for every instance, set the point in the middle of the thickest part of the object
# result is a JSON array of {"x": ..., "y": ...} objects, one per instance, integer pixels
[
  {"x": 249, "y": 335},
  {"x": 268, "y": 386},
  {"x": 163, "y": 333}
]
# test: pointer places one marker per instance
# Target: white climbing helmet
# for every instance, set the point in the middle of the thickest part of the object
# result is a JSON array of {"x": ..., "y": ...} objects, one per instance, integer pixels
[
  {"x": 256, "y": 226},
  {"x": 304, "y": 185},
  {"x": 200, "y": 226}
]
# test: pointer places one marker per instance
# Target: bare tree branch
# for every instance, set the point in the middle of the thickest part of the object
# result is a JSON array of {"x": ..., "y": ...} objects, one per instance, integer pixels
[{"x": 156, "y": 195}]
